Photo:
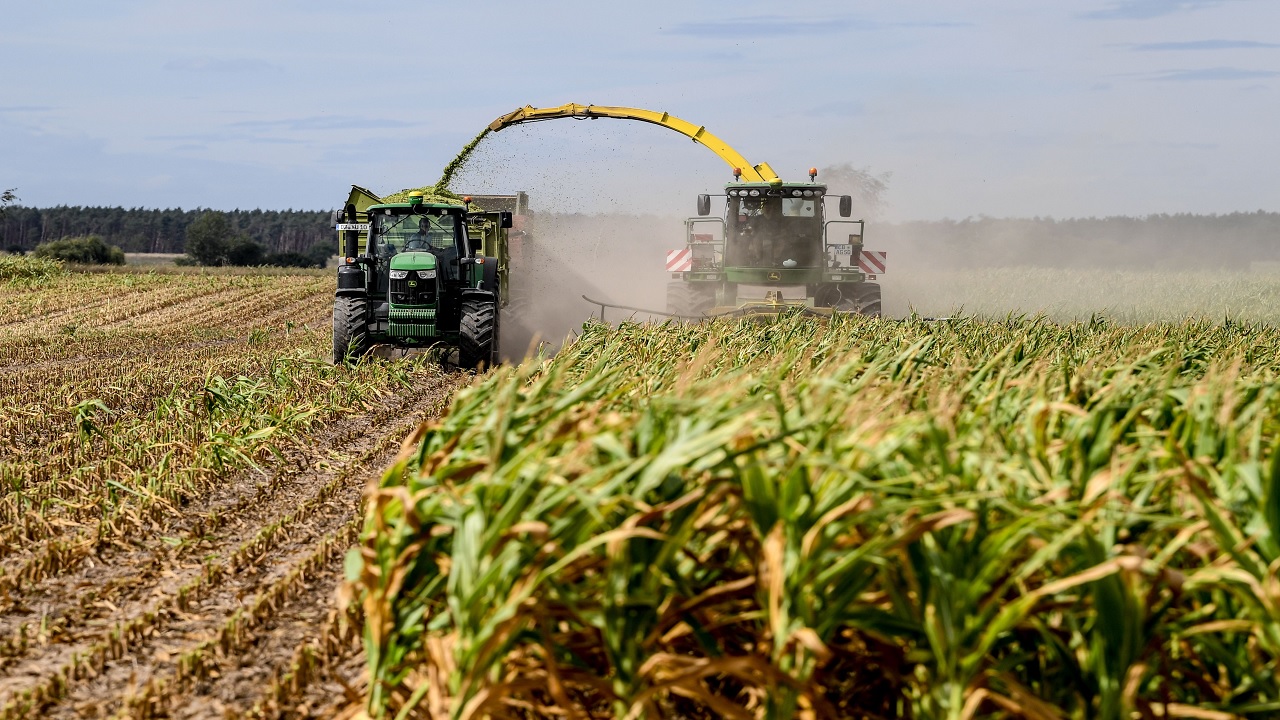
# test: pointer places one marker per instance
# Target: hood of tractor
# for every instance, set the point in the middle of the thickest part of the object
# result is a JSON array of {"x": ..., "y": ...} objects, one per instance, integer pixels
[{"x": 414, "y": 260}]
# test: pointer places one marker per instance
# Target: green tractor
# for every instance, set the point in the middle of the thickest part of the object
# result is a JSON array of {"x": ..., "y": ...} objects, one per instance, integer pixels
[{"x": 419, "y": 274}]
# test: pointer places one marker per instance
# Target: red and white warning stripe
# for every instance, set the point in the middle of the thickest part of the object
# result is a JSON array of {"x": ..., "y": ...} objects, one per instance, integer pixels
[
  {"x": 872, "y": 262},
  {"x": 679, "y": 260}
]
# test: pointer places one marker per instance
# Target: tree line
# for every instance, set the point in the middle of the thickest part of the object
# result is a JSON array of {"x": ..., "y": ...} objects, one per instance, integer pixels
[
  {"x": 299, "y": 232},
  {"x": 294, "y": 237}
]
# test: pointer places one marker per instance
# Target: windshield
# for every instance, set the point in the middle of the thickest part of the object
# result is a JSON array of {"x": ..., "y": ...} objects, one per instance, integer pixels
[
  {"x": 418, "y": 232},
  {"x": 441, "y": 235},
  {"x": 774, "y": 232}
]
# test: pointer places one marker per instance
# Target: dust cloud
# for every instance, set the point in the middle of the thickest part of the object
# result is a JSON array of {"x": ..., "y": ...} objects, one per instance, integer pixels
[
  {"x": 616, "y": 258},
  {"x": 1148, "y": 269},
  {"x": 609, "y": 199}
]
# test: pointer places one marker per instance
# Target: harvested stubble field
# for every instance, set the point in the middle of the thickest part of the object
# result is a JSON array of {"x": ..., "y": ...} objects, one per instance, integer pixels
[
  {"x": 854, "y": 519},
  {"x": 181, "y": 471}
]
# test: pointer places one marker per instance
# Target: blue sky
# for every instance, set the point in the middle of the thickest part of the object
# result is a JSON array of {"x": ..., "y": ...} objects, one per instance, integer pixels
[{"x": 1003, "y": 108}]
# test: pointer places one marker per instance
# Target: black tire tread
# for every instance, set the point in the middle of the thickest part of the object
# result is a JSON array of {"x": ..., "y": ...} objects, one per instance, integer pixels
[
  {"x": 868, "y": 302},
  {"x": 478, "y": 334},
  {"x": 350, "y": 331},
  {"x": 685, "y": 300}
]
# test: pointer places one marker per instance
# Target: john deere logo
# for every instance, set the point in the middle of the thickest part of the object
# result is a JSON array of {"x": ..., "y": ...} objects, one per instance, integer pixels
[{"x": 773, "y": 276}]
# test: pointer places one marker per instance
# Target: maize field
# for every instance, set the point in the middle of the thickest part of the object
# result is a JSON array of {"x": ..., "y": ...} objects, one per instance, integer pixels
[
  {"x": 180, "y": 477},
  {"x": 854, "y": 518},
  {"x": 861, "y": 518}
]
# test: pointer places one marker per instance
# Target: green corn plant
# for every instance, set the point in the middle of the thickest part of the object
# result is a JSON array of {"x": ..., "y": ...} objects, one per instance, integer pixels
[{"x": 790, "y": 519}]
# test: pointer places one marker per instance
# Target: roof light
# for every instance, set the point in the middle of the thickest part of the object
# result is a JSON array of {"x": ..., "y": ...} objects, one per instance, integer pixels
[
  {"x": 755, "y": 193},
  {"x": 737, "y": 173},
  {"x": 795, "y": 193},
  {"x": 813, "y": 173}
]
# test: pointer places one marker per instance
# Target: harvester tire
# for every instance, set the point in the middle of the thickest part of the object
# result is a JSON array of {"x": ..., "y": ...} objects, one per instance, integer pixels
[
  {"x": 860, "y": 299},
  {"x": 867, "y": 301},
  {"x": 686, "y": 300},
  {"x": 478, "y": 334},
  {"x": 350, "y": 330}
]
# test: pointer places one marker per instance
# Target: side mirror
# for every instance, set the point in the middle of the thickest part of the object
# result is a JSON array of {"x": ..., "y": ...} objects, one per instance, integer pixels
[
  {"x": 704, "y": 204},
  {"x": 504, "y": 219},
  {"x": 335, "y": 218},
  {"x": 846, "y": 205}
]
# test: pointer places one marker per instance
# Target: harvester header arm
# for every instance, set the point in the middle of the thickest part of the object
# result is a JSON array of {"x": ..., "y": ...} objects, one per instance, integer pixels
[{"x": 697, "y": 133}]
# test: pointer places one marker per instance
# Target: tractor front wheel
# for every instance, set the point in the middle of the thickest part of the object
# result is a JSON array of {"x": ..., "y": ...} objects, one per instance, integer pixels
[
  {"x": 478, "y": 330},
  {"x": 350, "y": 330}
]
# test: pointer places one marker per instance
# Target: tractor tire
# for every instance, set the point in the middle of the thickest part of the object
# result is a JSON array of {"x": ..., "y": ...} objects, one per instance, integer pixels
[
  {"x": 478, "y": 335},
  {"x": 686, "y": 300},
  {"x": 350, "y": 330}
]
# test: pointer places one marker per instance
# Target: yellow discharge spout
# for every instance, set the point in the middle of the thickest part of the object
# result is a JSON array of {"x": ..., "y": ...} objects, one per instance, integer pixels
[{"x": 698, "y": 133}]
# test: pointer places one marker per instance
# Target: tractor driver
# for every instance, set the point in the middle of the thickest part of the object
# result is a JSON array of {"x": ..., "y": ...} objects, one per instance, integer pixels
[
  {"x": 418, "y": 240},
  {"x": 443, "y": 248}
]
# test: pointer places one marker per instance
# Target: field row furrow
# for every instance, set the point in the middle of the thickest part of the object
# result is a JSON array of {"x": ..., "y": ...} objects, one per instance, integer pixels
[
  {"x": 208, "y": 660},
  {"x": 245, "y": 308},
  {"x": 160, "y": 516},
  {"x": 100, "y": 315},
  {"x": 373, "y": 436}
]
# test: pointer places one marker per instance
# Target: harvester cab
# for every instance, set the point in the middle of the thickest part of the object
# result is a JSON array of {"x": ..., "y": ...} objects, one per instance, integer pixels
[{"x": 415, "y": 273}]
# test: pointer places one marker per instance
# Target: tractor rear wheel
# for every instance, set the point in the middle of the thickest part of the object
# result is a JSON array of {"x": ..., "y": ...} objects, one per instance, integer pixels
[
  {"x": 478, "y": 334},
  {"x": 350, "y": 330},
  {"x": 687, "y": 300}
]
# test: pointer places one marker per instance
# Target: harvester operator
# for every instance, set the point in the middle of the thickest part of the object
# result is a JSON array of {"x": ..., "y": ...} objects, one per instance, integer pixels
[{"x": 761, "y": 230}]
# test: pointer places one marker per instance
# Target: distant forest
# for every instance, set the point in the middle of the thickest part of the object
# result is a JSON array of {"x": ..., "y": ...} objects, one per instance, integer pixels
[
  {"x": 1167, "y": 242},
  {"x": 160, "y": 231}
]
